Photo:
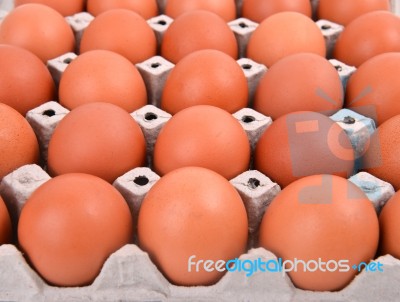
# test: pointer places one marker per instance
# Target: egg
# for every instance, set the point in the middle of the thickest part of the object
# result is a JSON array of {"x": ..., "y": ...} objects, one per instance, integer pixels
[
  {"x": 321, "y": 218},
  {"x": 205, "y": 77},
  {"x": 66, "y": 8},
  {"x": 146, "y": 9},
  {"x": 203, "y": 136},
  {"x": 102, "y": 76},
  {"x": 301, "y": 144},
  {"x": 389, "y": 227},
  {"x": 367, "y": 36},
  {"x": 70, "y": 225},
  {"x": 374, "y": 89},
  {"x": 122, "y": 31},
  {"x": 283, "y": 34},
  {"x": 39, "y": 29},
  {"x": 258, "y": 10},
  {"x": 5, "y": 224},
  {"x": 192, "y": 211},
  {"x": 196, "y": 30},
  {"x": 344, "y": 11},
  {"x": 382, "y": 157},
  {"x": 303, "y": 81},
  {"x": 18, "y": 143},
  {"x": 23, "y": 90},
  {"x": 99, "y": 139},
  {"x": 224, "y": 8}
]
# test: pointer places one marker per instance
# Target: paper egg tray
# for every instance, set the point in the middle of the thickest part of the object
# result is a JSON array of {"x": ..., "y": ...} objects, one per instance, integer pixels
[{"x": 129, "y": 274}]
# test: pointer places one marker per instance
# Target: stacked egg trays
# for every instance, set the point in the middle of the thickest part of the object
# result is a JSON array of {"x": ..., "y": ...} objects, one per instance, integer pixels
[{"x": 129, "y": 274}]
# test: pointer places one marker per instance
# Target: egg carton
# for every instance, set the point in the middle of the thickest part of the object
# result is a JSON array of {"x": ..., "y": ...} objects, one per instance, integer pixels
[{"x": 129, "y": 274}]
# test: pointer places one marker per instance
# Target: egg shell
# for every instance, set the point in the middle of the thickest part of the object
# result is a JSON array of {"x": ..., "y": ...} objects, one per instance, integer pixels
[
  {"x": 302, "y": 144},
  {"x": 367, "y": 36},
  {"x": 79, "y": 220},
  {"x": 112, "y": 30},
  {"x": 18, "y": 143},
  {"x": 259, "y": 10},
  {"x": 374, "y": 88},
  {"x": 25, "y": 82},
  {"x": 288, "y": 33},
  {"x": 205, "y": 77},
  {"x": 5, "y": 224},
  {"x": 382, "y": 159},
  {"x": 182, "y": 36},
  {"x": 147, "y": 9},
  {"x": 102, "y": 76},
  {"x": 343, "y": 12},
  {"x": 201, "y": 214},
  {"x": 389, "y": 230},
  {"x": 310, "y": 83},
  {"x": 39, "y": 29},
  {"x": 321, "y": 217},
  {"x": 66, "y": 8},
  {"x": 226, "y": 9},
  {"x": 204, "y": 136},
  {"x": 99, "y": 139}
]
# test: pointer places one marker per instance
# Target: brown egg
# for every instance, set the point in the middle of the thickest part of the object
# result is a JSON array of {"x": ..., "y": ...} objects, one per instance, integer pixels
[
  {"x": 146, "y": 9},
  {"x": 66, "y": 8},
  {"x": 25, "y": 82},
  {"x": 122, "y": 31},
  {"x": 18, "y": 143},
  {"x": 224, "y": 8},
  {"x": 5, "y": 224},
  {"x": 258, "y": 10},
  {"x": 70, "y": 226},
  {"x": 99, "y": 139},
  {"x": 283, "y": 34},
  {"x": 389, "y": 227},
  {"x": 38, "y": 28},
  {"x": 298, "y": 82},
  {"x": 374, "y": 89},
  {"x": 201, "y": 215},
  {"x": 301, "y": 144},
  {"x": 102, "y": 76},
  {"x": 203, "y": 136},
  {"x": 328, "y": 223},
  {"x": 196, "y": 30},
  {"x": 367, "y": 36},
  {"x": 205, "y": 77},
  {"x": 382, "y": 158},
  {"x": 344, "y": 11}
]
